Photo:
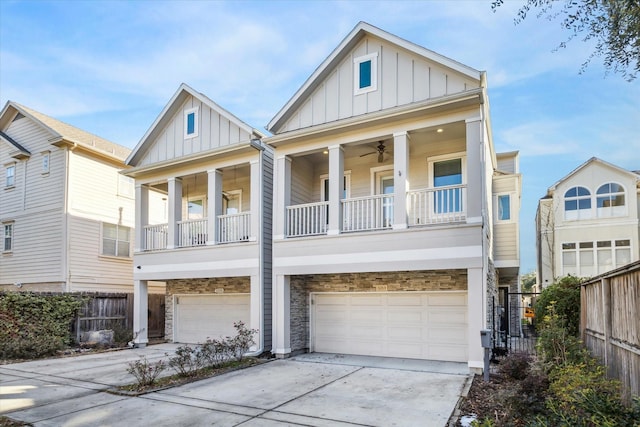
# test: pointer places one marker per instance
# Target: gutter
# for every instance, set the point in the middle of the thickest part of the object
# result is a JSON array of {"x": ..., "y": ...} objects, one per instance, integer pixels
[{"x": 258, "y": 145}]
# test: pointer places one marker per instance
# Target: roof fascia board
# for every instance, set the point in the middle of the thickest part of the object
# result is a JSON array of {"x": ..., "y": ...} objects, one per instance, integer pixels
[
  {"x": 172, "y": 106},
  {"x": 551, "y": 189},
  {"x": 30, "y": 116},
  {"x": 20, "y": 152},
  {"x": 359, "y": 32},
  {"x": 219, "y": 152},
  {"x": 450, "y": 102}
]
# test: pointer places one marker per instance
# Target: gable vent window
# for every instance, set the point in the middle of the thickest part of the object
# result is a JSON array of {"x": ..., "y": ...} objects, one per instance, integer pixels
[
  {"x": 191, "y": 123},
  {"x": 46, "y": 156},
  {"x": 365, "y": 73}
]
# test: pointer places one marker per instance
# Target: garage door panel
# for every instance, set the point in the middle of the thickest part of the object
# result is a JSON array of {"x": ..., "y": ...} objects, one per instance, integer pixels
[
  {"x": 199, "y": 317},
  {"x": 411, "y": 325}
]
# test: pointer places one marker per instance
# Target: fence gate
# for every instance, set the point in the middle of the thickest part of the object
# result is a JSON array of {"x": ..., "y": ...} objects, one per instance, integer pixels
[{"x": 513, "y": 323}]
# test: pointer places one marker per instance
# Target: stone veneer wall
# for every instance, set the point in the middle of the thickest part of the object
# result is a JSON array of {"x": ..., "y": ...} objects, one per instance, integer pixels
[
  {"x": 230, "y": 285},
  {"x": 492, "y": 294},
  {"x": 396, "y": 281}
]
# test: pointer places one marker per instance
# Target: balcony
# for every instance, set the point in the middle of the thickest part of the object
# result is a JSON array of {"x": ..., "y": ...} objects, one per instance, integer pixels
[
  {"x": 232, "y": 228},
  {"x": 442, "y": 205}
]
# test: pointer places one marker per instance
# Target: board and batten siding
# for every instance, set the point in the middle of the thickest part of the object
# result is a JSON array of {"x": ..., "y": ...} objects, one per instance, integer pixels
[
  {"x": 35, "y": 205},
  {"x": 402, "y": 78},
  {"x": 214, "y": 130},
  {"x": 267, "y": 245}
]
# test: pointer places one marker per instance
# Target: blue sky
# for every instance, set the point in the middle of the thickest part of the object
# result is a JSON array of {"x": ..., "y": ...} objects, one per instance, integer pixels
[{"x": 110, "y": 67}]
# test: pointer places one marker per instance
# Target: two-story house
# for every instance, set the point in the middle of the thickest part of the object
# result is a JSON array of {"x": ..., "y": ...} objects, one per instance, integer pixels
[
  {"x": 394, "y": 219},
  {"x": 66, "y": 213},
  {"x": 213, "y": 247},
  {"x": 588, "y": 222}
]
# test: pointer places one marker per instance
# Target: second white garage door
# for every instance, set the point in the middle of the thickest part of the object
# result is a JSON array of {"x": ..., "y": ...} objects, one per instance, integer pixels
[
  {"x": 417, "y": 325},
  {"x": 198, "y": 317}
]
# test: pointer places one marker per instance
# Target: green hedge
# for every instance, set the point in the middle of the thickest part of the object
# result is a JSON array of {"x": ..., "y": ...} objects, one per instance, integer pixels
[{"x": 35, "y": 325}]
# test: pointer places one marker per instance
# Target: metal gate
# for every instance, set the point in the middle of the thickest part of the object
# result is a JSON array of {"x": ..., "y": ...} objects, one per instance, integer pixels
[{"x": 513, "y": 323}]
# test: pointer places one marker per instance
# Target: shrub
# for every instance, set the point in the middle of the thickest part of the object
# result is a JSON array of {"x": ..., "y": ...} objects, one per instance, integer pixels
[
  {"x": 146, "y": 373},
  {"x": 565, "y": 295},
  {"x": 515, "y": 365},
  {"x": 33, "y": 325},
  {"x": 243, "y": 340},
  {"x": 186, "y": 361},
  {"x": 555, "y": 346}
]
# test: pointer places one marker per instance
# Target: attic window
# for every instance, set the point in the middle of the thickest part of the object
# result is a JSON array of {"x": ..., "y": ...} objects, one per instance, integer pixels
[
  {"x": 365, "y": 73},
  {"x": 191, "y": 123},
  {"x": 18, "y": 117}
]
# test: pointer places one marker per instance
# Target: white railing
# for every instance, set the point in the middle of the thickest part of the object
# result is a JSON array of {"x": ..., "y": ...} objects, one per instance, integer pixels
[
  {"x": 192, "y": 233},
  {"x": 155, "y": 237},
  {"x": 437, "y": 205},
  {"x": 309, "y": 219},
  {"x": 234, "y": 227},
  {"x": 367, "y": 213}
]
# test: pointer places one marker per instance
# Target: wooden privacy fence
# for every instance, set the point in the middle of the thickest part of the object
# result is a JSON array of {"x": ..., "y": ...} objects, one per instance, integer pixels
[{"x": 610, "y": 323}]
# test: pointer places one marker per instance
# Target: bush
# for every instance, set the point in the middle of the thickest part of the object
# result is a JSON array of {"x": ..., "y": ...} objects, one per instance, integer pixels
[
  {"x": 555, "y": 346},
  {"x": 187, "y": 361},
  {"x": 33, "y": 325},
  {"x": 515, "y": 365},
  {"x": 565, "y": 293},
  {"x": 145, "y": 373}
]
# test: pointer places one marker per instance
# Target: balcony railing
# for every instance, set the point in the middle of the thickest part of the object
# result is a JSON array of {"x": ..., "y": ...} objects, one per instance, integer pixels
[
  {"x": 367, "y": 213},
  {"x": 192, "y": 233},
  {"x": 309, "y": 219},
  {"x": 437, "y": 205},
  {"x": 234, "y": 227},
  {"x": 155, "y": 237}
]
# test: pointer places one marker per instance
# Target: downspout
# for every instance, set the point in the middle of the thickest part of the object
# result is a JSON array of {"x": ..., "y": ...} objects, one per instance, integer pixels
[
  {"x": 65, "y": 212},
  {"x": 257, "y": 144},
  {"x": 483, "y": 200}
]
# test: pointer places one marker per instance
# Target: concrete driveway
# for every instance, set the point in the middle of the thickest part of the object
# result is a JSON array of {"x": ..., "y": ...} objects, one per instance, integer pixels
[{"x": 308, "y": 390}]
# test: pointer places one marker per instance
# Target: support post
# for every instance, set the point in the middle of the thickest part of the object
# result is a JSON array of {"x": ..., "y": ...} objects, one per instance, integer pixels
[
  {"x": 175, "y": 212},
  {"x": 214, "y": 200},
  {"x": 142, "y": 217},
  {"x": 140, "y": 313},
  {"x": 400, "y": 179},
  {"x": 282, "y": 316},
  {"x": 336, "y": 188}
]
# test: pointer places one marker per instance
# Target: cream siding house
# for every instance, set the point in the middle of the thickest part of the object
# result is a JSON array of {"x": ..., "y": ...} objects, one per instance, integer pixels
[
  {"x": 388, "y": 239},
  {"x": 67, "y": 214},
  {"x": 588, "y": 222},
  {"x": 213, "y": 246}
]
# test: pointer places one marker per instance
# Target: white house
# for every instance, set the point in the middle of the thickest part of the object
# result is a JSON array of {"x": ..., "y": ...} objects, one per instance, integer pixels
[
  {"x": 67, "y": 215},
  {"x": 212, "y": 246},
  {"x": 394, "y": 219},
  {"x": 587, "y": 223}
]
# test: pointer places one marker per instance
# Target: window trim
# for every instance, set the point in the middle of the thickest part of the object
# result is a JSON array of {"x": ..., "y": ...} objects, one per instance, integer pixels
[
  {"x": 347, "y": 181},
  {"x": 188, "y": 112},
  {"x": 598, "y": 247},
  {"x": 102, "y": 237},
  {"x": 580, "y": 214},
  {"x": 7, "y": 168},
  {"x": 46, "y": 162},
  {"x": 497, "y": 208},
  {"x": 11, "y": 225},
  {"x": 373, "y": 86},
  {"x": 611, "y": 211},
  {"x": 442, "y": 158},
  {"x": 225, "y": 203}
]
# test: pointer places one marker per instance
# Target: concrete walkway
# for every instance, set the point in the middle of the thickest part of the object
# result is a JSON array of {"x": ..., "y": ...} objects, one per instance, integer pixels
[{"x": 308, "y": 390}]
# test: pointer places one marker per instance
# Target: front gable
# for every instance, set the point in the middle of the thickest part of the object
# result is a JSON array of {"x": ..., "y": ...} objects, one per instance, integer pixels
[
  {"x": 190, "y": 123},
  {"x": 372, "y": 71}
]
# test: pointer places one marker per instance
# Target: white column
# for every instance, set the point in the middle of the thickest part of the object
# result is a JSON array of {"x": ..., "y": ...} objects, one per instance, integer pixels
[
  {"x": 336, "y": 188},
  {"x": 175, "y": 211},
  {"x": 475, "y": 171},
  {"x": 281, "y": 196},
  {"x": 255, "y": 202},
  {"x": 142, "y": 216},
  {"x": 140, "y": 313},
  {"x": 256, "y": 312},
  {"x": 400, "y": 179},
  {"x": 214, "y": 201},
  {"x": 476, "y": 302},
  {"x": 281, "y": 316}
]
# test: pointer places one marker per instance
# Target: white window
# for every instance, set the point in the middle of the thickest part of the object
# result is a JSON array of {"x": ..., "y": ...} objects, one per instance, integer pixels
[
  {"x": 126, "y": 186},
  {"x": 10, "y": 175},
  {"x": 365, "y": 73},
  {"x": 191, "y": 123},
  {"x": 569, "y": 259},
  {"x": 195, "y": 209},
  {"x": 610, "y": 200},
  {"x": 446, "y": 175},
  {"x": 232, "y": 202},
  {"x": 605, "y": 256},
  {"x": 7, "y": 245},
  {"x": 587, "y": 265},
  {"x": 504, "y": 207},
  {"x": 46, "y": 157},
  {"x": 116, "y": 240},
  {"x": 623, "y": 252},
  {"x": 577, "y": 203},
  {"x": 324, "y": 186}
]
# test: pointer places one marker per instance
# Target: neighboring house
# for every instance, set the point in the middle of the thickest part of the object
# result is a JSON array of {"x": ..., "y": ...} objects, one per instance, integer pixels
[
  {"x": 587, "y": 224},
  {"x": 213, "y": 250},
  {"x": 395, "y": 222},
  {"x": 67, "y": 215}
]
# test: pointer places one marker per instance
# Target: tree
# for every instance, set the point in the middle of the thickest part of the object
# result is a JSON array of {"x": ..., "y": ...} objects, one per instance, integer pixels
[
  {"x": 528, "y": 280},
  {"x": 564, "y": 296},
  {"x": 613, "y": 24}
]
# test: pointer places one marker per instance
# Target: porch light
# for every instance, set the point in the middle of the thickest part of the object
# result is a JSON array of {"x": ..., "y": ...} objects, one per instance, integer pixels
[
  {"x": 325, "y": 152},
  {"x": 440, "y": 130}
]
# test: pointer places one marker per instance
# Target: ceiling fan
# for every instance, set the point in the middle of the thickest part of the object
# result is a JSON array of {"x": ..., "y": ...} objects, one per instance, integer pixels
[{"x": 380, "y": 150}]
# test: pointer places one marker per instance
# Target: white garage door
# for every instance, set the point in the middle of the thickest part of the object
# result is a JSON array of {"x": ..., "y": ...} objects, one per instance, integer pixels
[
  {"x": 198, "y": 317},
  {"x": 417, "y": 325}
]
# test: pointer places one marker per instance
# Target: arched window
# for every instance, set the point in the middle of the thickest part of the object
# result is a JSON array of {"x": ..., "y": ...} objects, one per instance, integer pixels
[
  {"x": 610, "y": 200},
  {"x": 577, "y": 203}
]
